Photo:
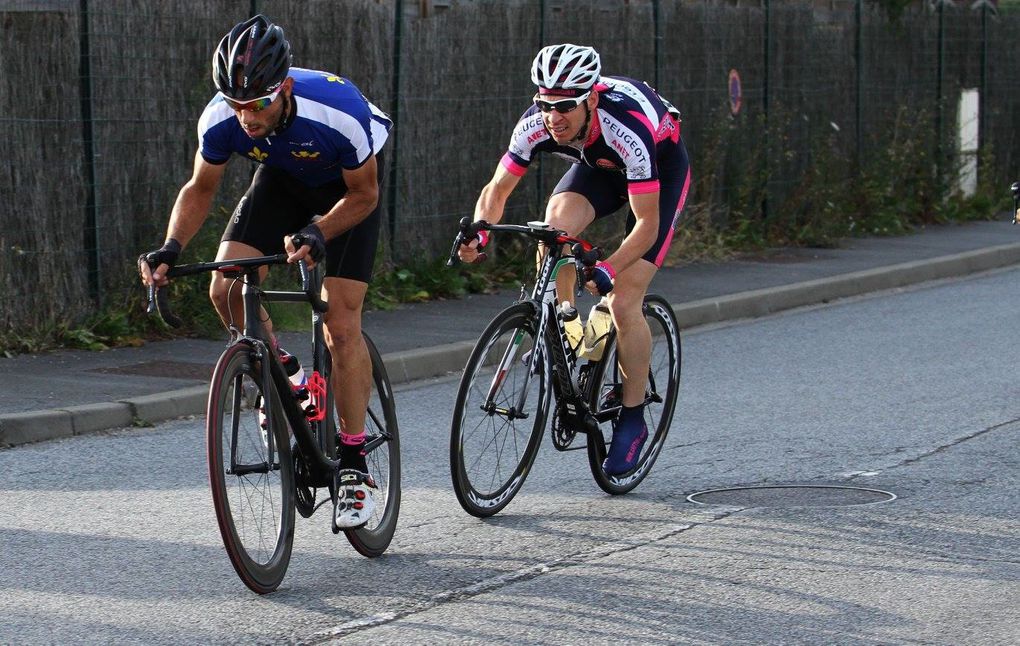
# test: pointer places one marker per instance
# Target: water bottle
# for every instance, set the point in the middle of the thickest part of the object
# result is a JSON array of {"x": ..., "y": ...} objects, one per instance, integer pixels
[
  {"x": 596, "y": 331},
  {"x": 571, "y": 325},
  {"x": 296, "y": 374}
]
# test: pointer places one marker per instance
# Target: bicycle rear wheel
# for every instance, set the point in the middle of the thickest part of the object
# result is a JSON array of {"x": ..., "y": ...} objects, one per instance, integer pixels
[
  {"x": 382, "y": 443},
  {"x": 661, "y": 392},
  {"x": 251, "y": 477},
  {"x": 494, "y": 440}
]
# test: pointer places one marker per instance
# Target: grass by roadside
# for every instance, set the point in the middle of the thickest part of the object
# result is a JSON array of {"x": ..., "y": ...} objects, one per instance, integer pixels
[{"x": 124, "y": 323}]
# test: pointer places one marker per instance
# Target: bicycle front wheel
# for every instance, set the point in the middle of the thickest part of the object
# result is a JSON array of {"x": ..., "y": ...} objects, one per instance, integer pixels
[
  {"x": 250, "y": 470},
  {"x": 382, "y": 445},
  {"x": 500, "y": 413},
  {"x": 605, "y": 395}
]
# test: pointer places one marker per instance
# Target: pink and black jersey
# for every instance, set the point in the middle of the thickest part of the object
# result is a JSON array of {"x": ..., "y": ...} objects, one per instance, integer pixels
[{"x": 633, "y": 130}]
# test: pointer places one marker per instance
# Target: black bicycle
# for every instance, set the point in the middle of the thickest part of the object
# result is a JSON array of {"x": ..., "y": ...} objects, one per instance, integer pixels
[
  {"x": 523, "y": 358},
  {"x": 269, "y": 455}
]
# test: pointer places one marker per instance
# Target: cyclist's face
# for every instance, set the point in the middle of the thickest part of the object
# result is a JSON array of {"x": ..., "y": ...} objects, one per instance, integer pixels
[
  {"x": 259, "y": 124},
  {"x": 564, "y": 126}
]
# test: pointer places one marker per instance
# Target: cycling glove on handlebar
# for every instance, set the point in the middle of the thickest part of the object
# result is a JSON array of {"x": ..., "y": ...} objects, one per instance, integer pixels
[
  {"x": 602, "y": 274},
  {"x": 312, "y": 236},
  {"x": 165, "y": 255},
  {"x": 482, "y": 237}
]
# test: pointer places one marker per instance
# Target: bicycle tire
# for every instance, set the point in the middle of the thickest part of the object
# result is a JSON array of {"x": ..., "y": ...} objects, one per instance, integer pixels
[
  {"x": 664, "y": 382},
  {"x": 481, "y": 439},
  {"x": 255, "y": 510},
  {"x": 374, "y": 537}
]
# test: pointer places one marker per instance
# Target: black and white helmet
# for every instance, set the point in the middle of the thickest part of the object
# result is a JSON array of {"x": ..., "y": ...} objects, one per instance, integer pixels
[
  {"x": 252, "y": 60},
  {"x": 566, "y": 67}
]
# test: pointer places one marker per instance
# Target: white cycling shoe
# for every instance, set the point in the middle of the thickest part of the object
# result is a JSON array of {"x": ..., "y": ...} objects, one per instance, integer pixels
[{"x": 354, "y": 502}]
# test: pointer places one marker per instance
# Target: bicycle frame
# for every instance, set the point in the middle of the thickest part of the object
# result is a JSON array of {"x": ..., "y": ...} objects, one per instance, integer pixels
[
  {"x": 311, "y": 441},
  {"x": 550, "y": 335}
]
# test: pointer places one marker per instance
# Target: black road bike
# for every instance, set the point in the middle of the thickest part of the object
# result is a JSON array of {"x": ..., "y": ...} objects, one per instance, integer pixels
[
  {"x": 269, "y": 455},
  {"x": 524, "y": 359}
]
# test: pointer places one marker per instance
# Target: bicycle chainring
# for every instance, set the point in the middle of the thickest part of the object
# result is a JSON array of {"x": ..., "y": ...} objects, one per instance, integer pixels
[
  {"x": 304, "y": 494},
  {"x": 562, "y": 435}
]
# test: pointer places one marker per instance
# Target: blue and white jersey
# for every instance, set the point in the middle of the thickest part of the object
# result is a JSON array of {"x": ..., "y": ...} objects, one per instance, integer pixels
[
  {"x": 333, "y": 128},
  {"x": 633, "y": 130}
]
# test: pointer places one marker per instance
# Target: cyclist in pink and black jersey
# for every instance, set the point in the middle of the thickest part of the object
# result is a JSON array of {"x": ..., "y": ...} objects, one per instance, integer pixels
[{"x": 624, "y": 140}]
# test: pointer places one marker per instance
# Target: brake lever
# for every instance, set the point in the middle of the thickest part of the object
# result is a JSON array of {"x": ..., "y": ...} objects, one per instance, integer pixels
[
  {"x": 467, "y": 229},
  {"x": 584, "y": 260}
]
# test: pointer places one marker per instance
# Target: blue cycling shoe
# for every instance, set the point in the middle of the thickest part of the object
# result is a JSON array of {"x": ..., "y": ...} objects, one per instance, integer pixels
[{"x": 629, "y": 435}]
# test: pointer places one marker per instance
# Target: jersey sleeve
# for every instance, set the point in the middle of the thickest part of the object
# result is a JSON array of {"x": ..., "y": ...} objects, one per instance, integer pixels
[
  {"x": 213, "y": 132},
  {"x": 354, "y": 124},
  {"x": 634, "y": 139},
  {"x": 529, "y": 132}
]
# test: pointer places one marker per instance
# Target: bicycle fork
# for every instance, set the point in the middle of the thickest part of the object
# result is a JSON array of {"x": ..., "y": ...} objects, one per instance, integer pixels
[{"x": 502, "y": 369}]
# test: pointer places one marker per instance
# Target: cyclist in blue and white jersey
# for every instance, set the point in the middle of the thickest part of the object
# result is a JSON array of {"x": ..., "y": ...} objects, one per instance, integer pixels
[
  {"x": 625, "y": 142},
  {"x": 317, "y": 143}
]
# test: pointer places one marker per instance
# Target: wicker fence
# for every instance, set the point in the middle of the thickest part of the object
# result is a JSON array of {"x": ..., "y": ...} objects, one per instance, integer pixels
[{"x": 101, "y": 101}]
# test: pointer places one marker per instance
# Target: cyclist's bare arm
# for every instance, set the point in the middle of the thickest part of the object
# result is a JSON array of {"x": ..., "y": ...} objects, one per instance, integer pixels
[
  {"x": 190, "y": 210},
  {"x": 641, "y": 238},
  {"x": 358, "y": 202},
  {"x": 490, "y": 206}
]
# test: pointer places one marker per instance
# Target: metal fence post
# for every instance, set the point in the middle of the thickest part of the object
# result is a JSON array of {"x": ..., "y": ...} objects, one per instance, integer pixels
[
  {"x": 658, "y": 41},
  {"x": 765, "y": 109},
  {"x": 984, "y": 75},
  {"x": 859, "y": 55},
  {"x": 939, "y": 97},
  {"x": 91, "y": 232},
  {"x": 539, "y": 175},
  {"x": 395, "y": 116}
]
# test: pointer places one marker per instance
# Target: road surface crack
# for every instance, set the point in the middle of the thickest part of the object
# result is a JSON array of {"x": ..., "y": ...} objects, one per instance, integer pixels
[{"x": 524, "y": 574}]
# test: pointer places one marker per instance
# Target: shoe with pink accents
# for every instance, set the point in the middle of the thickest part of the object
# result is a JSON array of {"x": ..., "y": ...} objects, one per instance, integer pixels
[{"x": 629, "y": 435}]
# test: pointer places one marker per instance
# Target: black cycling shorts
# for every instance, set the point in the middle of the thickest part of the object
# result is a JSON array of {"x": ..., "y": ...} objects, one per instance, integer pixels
[
  {"x": 277, "y": 204},
  {"x": 606, "y": 191}
]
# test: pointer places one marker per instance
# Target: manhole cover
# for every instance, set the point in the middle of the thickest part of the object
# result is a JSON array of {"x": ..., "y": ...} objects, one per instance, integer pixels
[{"x": 792, "y": 496}]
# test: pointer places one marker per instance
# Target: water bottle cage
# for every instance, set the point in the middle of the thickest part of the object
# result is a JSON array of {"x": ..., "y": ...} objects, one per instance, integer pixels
[{"x": 317, "y": 389}]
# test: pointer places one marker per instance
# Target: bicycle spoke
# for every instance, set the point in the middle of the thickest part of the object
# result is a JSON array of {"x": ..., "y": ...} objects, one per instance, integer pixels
[
  {"x": 251, "y": 489},
  {"x": 660, "y": 398},
  {"x": 494, "y": 440}
]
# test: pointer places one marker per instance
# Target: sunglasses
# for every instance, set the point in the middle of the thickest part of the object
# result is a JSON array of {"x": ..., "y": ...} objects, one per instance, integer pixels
[
  {"x": 562, "y": 106},
  {"x": 255, "y": 105}
]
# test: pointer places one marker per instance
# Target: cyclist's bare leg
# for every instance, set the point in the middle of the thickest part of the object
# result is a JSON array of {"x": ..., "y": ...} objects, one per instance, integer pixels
[
  {"x": 633, "y": 338},
  {"x": 225, "y": 292},
  {"x": 570, "y": 212},
  {"x": 352, "y": 366}
]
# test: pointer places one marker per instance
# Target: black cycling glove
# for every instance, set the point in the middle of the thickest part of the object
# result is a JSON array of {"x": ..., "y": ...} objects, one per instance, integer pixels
[
  {"x": 312, "y": 236},
  {"x": 165, "y": 255}
]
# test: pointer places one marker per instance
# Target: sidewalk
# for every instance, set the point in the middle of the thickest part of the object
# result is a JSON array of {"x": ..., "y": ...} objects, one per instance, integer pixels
[{"x": 70, "y": 393}]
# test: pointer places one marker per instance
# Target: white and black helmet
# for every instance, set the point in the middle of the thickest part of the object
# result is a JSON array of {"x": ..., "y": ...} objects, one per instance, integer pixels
[{"x": 566, "y": 67}]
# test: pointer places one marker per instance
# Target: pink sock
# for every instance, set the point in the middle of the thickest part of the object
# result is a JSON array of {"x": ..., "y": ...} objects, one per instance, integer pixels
[{"x": 352, "y": 440}]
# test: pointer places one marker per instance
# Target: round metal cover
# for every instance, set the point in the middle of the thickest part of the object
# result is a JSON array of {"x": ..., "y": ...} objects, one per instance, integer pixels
[{"x": 792, "y": 496}]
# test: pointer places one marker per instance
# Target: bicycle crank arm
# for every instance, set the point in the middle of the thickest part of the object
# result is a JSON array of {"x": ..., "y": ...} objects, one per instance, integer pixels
[
  {"x": 374, "y": 442},
  {"x": 243, "y": 470}
]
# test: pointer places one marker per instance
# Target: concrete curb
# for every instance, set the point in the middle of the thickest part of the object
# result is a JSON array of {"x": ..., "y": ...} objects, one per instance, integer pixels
[
  {"x": 761, "y": 302},
  {"x": 422, "y": 363}
]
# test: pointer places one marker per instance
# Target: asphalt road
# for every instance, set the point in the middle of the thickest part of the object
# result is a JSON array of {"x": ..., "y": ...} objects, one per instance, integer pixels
[{"x": 111, "y": 538}]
